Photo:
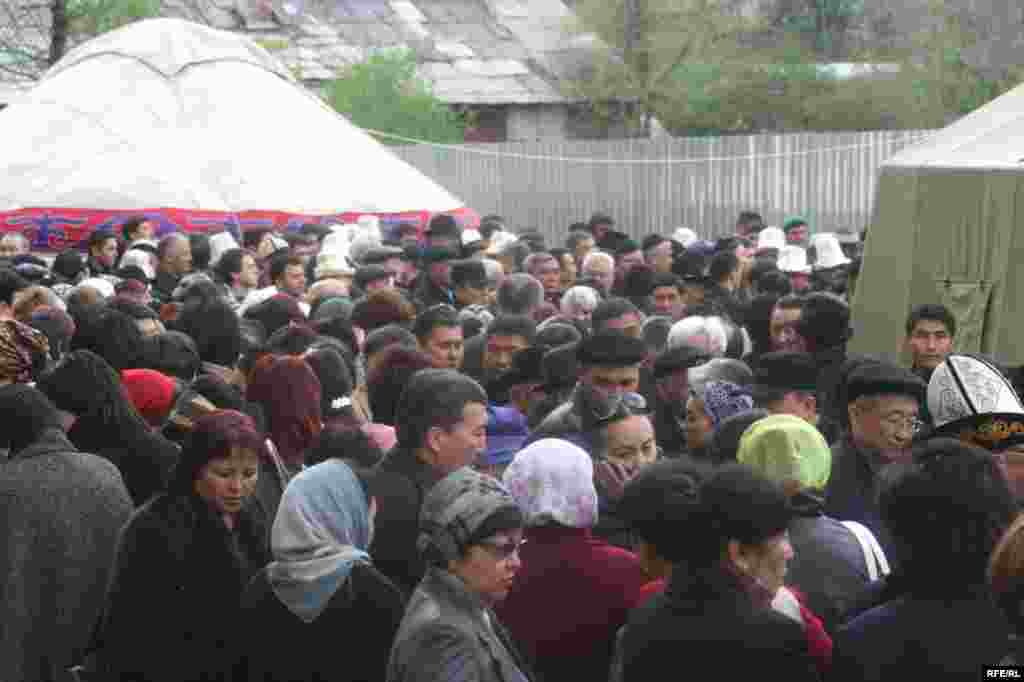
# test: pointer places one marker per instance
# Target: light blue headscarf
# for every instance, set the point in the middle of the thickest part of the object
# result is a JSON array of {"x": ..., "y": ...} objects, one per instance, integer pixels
[{"x": 321, "y": 531}]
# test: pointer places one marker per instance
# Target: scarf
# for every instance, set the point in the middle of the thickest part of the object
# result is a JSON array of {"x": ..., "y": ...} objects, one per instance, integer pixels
[
  {"x": 552, "y": 480},
  {"x": 321, "y": 532}
]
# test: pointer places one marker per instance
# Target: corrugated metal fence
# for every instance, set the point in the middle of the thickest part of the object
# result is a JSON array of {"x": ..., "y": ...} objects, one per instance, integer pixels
[{"x": 658, "y": 185}]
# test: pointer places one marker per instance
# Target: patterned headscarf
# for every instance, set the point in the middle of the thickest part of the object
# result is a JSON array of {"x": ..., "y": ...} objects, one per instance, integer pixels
[
  {"x": 321, "y": 531},
  {"x": 724, "y": 399},
  {"x": 552, "y": 480},
  {"x": 23, "y": 350}
]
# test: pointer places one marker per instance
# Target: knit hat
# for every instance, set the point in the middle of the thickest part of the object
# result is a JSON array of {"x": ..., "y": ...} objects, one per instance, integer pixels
[
  {"x": 461, "y": 509},
  {"x": 151, "y": 392},
  {"x": 786, "y": 448},
  {"x": 723, "y": 399},
  {"x": 969, "y": 397}
]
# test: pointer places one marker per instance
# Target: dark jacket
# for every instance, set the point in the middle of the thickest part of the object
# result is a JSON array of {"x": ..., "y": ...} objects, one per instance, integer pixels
[
  {"x": 145, "y": 459},
  {"x": 402, "y": 483},
  {"x": 707, "y": 622},
  {"x": 853, "y": 488},
  {"x": 828, "y": 565},
  {"x": 830, "y": 362},
  {"x": 922, "y": 638},
  {"x": 595, "y": 586},
  {"x": 449, "y": 635},
  {"x": 60, "y": 512},
  {"x": 275, "y": 645},
  {"x": 426, "y": 294},
  {"x": 174, "y": 600},
  {"x": 163, "y": 287}
]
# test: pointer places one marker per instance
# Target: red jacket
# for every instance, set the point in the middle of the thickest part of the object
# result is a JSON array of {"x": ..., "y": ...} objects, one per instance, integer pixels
[{"x": 571, "y": 596}]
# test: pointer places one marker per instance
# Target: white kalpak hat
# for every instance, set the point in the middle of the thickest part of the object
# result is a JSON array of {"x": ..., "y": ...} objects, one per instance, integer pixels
[
  {"x": 829, "y": 252},
  {"x": 793, "y": 259}
]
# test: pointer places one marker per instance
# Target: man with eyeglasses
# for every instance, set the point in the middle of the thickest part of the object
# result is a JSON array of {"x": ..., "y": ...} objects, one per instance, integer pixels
[
  {"x": 883, "y": 401},
  {"x": 608, "y": 363}
]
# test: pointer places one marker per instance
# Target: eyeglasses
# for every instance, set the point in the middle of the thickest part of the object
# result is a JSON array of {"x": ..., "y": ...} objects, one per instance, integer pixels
[
  {"x": 502, "y": 551},
  {"x": 607, "y": 408}
]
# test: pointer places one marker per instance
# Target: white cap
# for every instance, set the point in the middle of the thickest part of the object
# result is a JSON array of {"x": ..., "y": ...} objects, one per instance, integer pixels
[
  {"x": 684, "y": 236},
  {"x": 770, "y": 238},
  {"x": 471, "y": 236},
  {"x": 221, "y": 243},
  {"x": 793, "y": 259},
  {"x": 964, "y": 386},
  {"x": 830, "y": 253},
  {"x": 140, "y": 259}
]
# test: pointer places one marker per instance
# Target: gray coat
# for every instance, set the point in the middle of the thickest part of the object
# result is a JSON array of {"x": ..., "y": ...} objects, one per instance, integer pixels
[
  {"x": 448, "y": 635},
  {"x": 60, "y": 514}
]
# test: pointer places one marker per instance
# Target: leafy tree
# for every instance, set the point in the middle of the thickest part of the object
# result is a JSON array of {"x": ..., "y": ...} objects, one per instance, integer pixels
[
  {"x": 35, "y": 36},
  {"x": 659, "y": 50},
  {"x": 384, "y": 93}
]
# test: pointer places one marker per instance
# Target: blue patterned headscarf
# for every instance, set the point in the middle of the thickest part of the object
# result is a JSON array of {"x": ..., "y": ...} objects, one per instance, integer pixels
[
  {"x": 321, "y": 531},
  {"x": 723, "y": 399}
]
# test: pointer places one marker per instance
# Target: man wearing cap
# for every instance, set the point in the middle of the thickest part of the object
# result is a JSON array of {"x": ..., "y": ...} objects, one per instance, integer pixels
[
  {"x": 883, "y": 401},
  {"x": 434, "y": 285},
  {"x": 971, "y": 400},
  {"x": 797, "y": 231},
  {"x": 522, "y": 384},
  {"x": 671, "y": 386},
  {"x": 444, "y": 233},
  {"x": 608, "y": 363},
  {"x": 786, "y": 382}
]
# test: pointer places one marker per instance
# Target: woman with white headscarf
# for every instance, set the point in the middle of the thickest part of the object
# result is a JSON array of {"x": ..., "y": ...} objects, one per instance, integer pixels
[
  {"x": 320, "y": 586},
  {"x": 591, "y": 584}
]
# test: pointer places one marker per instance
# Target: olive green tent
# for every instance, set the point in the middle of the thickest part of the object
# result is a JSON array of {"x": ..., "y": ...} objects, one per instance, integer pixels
[{"x": 945, "y": 231}]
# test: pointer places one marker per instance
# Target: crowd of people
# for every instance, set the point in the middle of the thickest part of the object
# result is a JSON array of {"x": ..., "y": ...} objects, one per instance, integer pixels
[{"x": 364, "y": 452}]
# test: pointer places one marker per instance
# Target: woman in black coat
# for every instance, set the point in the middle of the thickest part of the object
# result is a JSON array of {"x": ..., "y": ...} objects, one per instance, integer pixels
[
  {"x": 321, "y": 592},
  {"x": 107, "y": 424},
  {"x": 183, "y": 562}
]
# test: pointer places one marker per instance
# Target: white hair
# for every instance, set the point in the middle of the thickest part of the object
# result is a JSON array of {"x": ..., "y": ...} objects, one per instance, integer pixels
[
  {"x": 578, "y": 297},
  {"x": 707, "y": 333},
  {"x": 140, "y": 259},
  {"x": 595, "y": 256},
  {"x": 24, "y": 245}
]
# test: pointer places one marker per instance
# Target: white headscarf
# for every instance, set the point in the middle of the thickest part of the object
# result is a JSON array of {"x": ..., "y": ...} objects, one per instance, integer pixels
[{"x": 552, "y": 480}]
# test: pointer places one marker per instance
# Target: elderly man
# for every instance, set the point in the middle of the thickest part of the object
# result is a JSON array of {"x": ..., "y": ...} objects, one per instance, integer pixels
[
  {"x": 600, "y": 267},
  {"x": 545, "y": 269},
  {"x": 883, "y": 401}
]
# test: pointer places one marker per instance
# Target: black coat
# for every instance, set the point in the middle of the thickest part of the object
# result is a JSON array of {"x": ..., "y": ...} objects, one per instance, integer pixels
[
  {"x": 706, "y": 624},
  {"x": 174, "y": 601},
  {"x": 145, "y": 459},
  {"x": 275, "y": 645},
  {"x": 920, "y": 638},
  {"x": 402, "y": 484},
  {"x": 853, "y": 489}
]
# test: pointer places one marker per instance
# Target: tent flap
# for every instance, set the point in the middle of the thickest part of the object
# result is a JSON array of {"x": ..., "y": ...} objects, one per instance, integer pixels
[{"x": 968, "y": 301}]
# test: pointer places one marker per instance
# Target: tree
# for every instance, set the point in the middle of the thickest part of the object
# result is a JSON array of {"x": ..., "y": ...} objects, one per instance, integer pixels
[
  {"x": 827, "y": 22},
  {"x": 656, "y": 47},
  {"x": 36, "y": 35},
  {"x": 384, "y": 93}
]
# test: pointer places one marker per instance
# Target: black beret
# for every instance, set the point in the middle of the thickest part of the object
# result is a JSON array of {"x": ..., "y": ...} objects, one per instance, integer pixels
[
  {"x": 882, "y": 378},
  {"x": 469, "y": 273},
  {"x": 681, "y": 357},
  {"x": 527, "y": 368},
  {"x": 611, "y": 349},
  {"x": 787, "y": 370}
]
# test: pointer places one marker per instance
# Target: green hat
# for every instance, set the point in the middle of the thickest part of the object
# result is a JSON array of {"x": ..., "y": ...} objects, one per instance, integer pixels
[
  {"x": 787, "y": 448},
  {"x": 792, "y": 222}
]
